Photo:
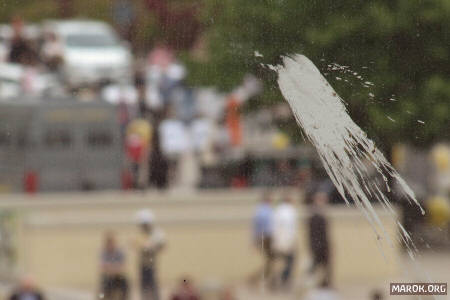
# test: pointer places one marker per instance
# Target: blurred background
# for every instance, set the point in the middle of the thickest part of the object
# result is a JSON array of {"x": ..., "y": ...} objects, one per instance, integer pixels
[{"x": 147, "y": 153}]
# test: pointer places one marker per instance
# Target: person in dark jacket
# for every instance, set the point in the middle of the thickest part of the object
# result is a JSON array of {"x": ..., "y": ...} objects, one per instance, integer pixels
[
  {"x": 26, "y": 290},
  {"x": 159, "y": 165},
  {"x": 318, "y": 236},
  {"x": 21, "y": 51}
]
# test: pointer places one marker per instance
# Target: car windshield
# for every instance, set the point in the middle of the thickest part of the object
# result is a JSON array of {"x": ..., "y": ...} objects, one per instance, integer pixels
[{"x": 93, "y": 40}]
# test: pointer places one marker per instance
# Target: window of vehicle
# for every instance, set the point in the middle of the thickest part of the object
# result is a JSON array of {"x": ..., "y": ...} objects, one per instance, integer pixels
[{"x": 91, "y": 40}]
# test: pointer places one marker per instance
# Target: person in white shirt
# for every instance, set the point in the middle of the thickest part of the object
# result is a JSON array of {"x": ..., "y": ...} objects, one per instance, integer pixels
[
  {"x": 285, "y": 236},
  {"x": 149, "y": 243},
  {"x": 175, "y": 138}
]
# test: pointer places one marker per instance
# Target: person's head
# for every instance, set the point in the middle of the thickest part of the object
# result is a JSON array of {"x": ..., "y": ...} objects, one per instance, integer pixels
[
  {"x": 320, "y": 199},
  {"x": 146, "y": 227},
  {"x": 110, "y": 241},
  {"x": 27, "y": 283},
  {"x": 17, "y": 25},
  {"x": 145, "y": 219},
  {"x": 376, "y": 295}
]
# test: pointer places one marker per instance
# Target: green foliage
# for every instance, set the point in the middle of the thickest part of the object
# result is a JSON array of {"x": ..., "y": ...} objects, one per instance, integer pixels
[
  {"x": 402, "y": 46},
  {"x": 32, "y": 10}
]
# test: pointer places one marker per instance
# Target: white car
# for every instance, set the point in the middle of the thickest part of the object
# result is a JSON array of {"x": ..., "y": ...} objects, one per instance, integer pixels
[{"x": 91, "y": 52}]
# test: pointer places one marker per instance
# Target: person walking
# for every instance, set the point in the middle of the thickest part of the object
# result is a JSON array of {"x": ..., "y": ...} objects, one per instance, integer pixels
[
  {"x": 285, "y": 236},
  {"x": 149, "y": 243},
  {"x": 318, "y": 237},
  {"x": 262, "y": 236},
  {"x": 114, "y": 283}
]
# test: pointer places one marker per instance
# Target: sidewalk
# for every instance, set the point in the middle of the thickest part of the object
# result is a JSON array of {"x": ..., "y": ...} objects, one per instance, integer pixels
[{"x": 436, "y": 264}]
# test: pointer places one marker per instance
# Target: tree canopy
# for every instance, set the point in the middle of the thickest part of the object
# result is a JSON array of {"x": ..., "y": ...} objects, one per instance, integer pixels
[{"x": 401, "y": 46}]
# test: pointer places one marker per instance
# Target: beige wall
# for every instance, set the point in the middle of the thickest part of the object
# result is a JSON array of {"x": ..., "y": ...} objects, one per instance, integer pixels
[{"x": 59, "y": 237}]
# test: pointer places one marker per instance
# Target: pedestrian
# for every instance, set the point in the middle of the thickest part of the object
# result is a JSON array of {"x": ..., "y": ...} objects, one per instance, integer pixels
[
  {"x": 285, "y": 236},
  {"x": 185, "y": 291},
  {"x": 174, "y": 141},
  {"x": 113, "y": 278},
  {"x": 138, "y": 138},
  {"x": 52, "y": 52},
  {"x": 26, "y": 290},
  {"x": 21, "y": 51},
  {"x": 149, "y": 244},
  {"x": 262, "y": 236},
  {"x": 159, "y": 165},
  {"x": 318, "y": 236}
]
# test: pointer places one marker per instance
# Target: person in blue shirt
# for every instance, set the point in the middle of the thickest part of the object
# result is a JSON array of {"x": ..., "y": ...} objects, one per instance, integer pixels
[{"x": 262, "y": 237}]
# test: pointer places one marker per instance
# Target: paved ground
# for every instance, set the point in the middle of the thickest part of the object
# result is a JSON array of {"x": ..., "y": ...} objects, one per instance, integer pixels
[
  {"x": 435, "y": 264},
  {"x": 430, "y": 264}
]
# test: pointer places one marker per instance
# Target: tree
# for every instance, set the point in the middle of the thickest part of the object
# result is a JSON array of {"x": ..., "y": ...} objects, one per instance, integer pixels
[{"x": 400, "y": 46}]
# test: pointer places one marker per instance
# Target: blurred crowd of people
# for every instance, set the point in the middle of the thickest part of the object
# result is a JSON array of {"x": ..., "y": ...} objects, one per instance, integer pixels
[
  {"x": 30, "y": 57},
  {"x": 275, "y": 233},
  {"x": 169, "y": 130},
  {"x": 275, "y": 236},
  {"x": 148, "y": 243},
  {"x": 172, "y": 134}
]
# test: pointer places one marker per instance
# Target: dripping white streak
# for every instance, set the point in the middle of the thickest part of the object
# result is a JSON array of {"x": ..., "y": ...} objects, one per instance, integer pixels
[{"x": 341, "y": 144}]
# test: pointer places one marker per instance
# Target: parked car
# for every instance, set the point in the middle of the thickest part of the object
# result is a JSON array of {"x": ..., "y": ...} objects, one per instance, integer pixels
[{"x": 91, "y": 52}]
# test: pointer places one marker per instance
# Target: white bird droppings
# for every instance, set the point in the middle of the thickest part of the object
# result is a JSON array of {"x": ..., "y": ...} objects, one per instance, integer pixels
[{"x": 346, "y": 152}]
